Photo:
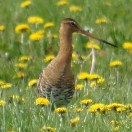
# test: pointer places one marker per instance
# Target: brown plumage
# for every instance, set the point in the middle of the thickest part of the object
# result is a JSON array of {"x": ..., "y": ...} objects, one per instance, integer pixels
[{"x": 56, "y": 81}]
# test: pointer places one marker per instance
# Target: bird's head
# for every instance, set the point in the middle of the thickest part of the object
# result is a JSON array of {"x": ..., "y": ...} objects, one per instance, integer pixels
[{"x": 70, "y": 25}]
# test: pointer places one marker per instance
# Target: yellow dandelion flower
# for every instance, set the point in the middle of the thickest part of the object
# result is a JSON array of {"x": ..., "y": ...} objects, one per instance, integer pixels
[
  {"x": 5, "y": 86},
  {"x": 83, "y": 75},
  {"x": 21, "y": 65},
  {"x": 20, "y": 75},
  {"x": 74, "y": 56},
  {"x": 114, "y": 106},
  {"x": 61, "y": 110},
  {"x": 49, "y": 25},
  {"x": 75, "y": 8},
  {"x": 79, "y": 110},
  {"x": 42, "y": 101},
  {"x": 48, "y": 129},
  {"x": 79, "y": 86},
  {"x": 62, "y": 3},
  {"x": 98, "y": 107},
  {"x": 32, "y": 82},
  {"x": 49, "y": 58},
  {"x": 26, "y": 3},
  {"x": 86, "y": 101},
  {"x": 101, "y": 20},
  {"x": 100, "y": 80},
  {"x": 2, "y": 27},
  {"x": 36, "y": 36},
  {"x": 94, "y": 77},
  {"x": 2, "y": 102},
  {"x": 24, "y": 58},
  {"x": 120, "y": 109},
  {"x": 92, "y": 44},
  {"x": 128, "y": 106},
  {"x": 92, "y": 84},
  {"x": 22, "y": 28},
  {"x": 115, "y": 63},
  {"x": 127, "y": 45},
  {"x": 35, "y": 20},
  {"x": 115, "y": 129},
  {"x": 114, "y": 122},
  {"x": 74, "y": 121}
]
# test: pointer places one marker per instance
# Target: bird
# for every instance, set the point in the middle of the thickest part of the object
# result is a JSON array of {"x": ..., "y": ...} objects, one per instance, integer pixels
[{"x": 56, "y": 81}]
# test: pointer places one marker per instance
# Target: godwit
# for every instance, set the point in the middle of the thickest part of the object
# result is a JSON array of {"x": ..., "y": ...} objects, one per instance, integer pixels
[{"x": 56, "y": 81}]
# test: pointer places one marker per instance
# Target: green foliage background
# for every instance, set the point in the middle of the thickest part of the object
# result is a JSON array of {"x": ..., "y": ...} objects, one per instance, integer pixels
[{"x": 27, "y": 117}]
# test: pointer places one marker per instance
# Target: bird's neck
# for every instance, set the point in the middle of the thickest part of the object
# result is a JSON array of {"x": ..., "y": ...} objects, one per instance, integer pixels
[{"x": 65, "y": 44}]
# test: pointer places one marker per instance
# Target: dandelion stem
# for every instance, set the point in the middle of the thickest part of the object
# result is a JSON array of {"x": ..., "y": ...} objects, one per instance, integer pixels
[
  {"x": 93, "y": 61},
  {"x": 22, "y": 38}
]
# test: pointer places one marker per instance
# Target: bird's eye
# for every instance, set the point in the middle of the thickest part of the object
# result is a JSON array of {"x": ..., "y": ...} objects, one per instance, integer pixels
[{"x": 73, "y": 23}]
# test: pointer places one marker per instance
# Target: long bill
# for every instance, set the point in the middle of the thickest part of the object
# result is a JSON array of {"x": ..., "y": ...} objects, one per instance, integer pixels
[{"x": 94, "y": 37}]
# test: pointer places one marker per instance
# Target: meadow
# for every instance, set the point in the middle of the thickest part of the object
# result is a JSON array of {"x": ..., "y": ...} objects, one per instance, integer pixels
[{"x": 29, "y": 37}]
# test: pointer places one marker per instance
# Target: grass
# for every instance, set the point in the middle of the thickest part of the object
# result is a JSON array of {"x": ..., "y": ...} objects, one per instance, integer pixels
[{"x": 24, "y": 116}]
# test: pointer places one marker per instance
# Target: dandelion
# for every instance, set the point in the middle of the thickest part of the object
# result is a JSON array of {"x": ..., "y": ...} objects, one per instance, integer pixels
[
  {"x": 78, "y": 110},
  {"x": 2, "y": 28},
  {"x": 120, "y": 109},
  {"x": 62, "y": 3},
  {"x": 20, "y": 75},
  {"x": 114, "y": 122},
  {"x": 101, "y": 20},
  {"x": 61, "y": 110},
  {"x": 74, "y": 121},
  {"x": 128, "y": 107},
  {"x": 115, "y": 129},
  {"x": 94, "y": 77},
  {"x": 127, "y": 45},
  {"x": 98, "y": 107},
  {"x": 5, "y": 86},
  {"x": 115, "y": 63},
  {"x": 74, "y": 56},
  {"x": 22, "y": 28},
  {"x": 21, "y": 65},
  {"x": 100, "y": 80},
  {"x": 115, "y": 106},
  {"x": 92, "y": 44},
  {"x": 26, "y": 3},
  {"x": 92, "y": 84},
  {"x": 79, "y": 86},
  {"x": 83, "y": 76},
  {"x": 48, "y": 25},
  {"x": 42, "y": 101},
  {"x": 32, "y": 82},
  {"x": 48, "y": 129},
  {"x": 85, "y": 102},
  {"x": 49, "y": 58},
  {"x": 24, "y": 58},
  {"x": 35, "y": 20},
  {"x": 75, "y": 8},
  {"x": 38, "y": 35},
  {"x": 2, "y": 102}
]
